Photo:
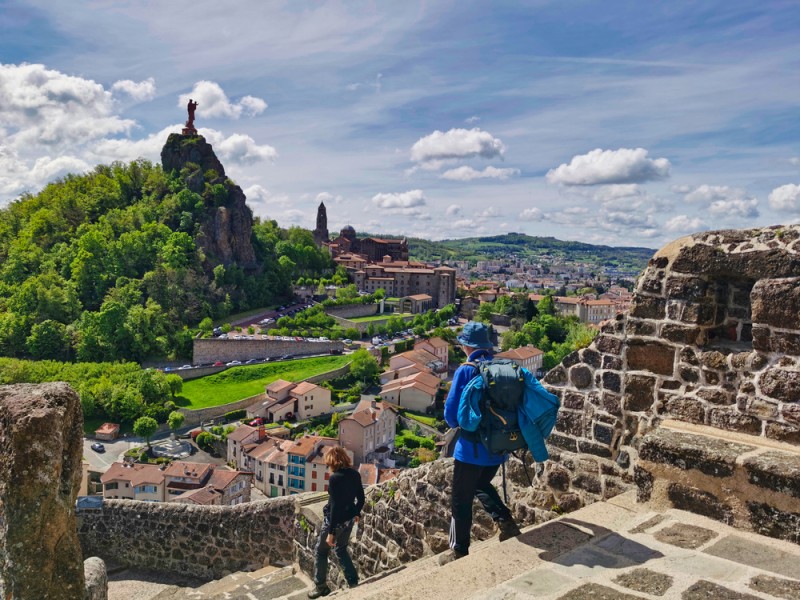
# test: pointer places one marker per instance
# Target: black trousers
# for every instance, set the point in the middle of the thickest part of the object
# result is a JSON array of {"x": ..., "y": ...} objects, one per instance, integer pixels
[
  {"x": 342, "y": 536},
  {"x": 470, "y": 481}
]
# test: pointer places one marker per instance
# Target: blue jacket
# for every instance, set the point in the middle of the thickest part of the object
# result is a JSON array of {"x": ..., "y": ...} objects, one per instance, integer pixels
[
  {"x": 536, "y": 415},
  {"x": 467, "y": 451}
]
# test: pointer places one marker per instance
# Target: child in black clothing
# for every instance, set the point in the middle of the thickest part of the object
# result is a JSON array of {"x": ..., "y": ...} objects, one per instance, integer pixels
[{"x": 346, "y": 499}]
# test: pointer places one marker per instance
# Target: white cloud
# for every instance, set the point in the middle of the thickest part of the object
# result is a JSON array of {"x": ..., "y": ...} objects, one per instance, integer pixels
[
  {"x": 724, "y": 201},
  {"x": 329, "y": 198},
  {"x": 681, "y": 189},
  {"x": 468, "y": 173},
  {"x": 456, "y": 144},
  {"x": 257, "y": 194},
  {"x": 293, "y": 215},
  {"x": 238, "y": 147},
  {"x": 706, "y": 194},
  {"x": 625, "y": 165},
  {"x": 745, "y": 208},
  {"x": 786, "y": 198},
  {"x": 453, "y": 210},
  {"x": 684, "y": 224},
  {"x": 531, "y": 214},
  {"x": 412, "y": 198},
  {"x": 795, "y": 160},
  {"x": 489, "y": 213},
  {"x": 42, "y": 107},
  {"x": 213, "y": 102},
  {"x": 140, "y": 92},
  {"x": 614, "y": 192},
  {"x": 464, "y": 224},
  {"x": 472, "y": 120}
]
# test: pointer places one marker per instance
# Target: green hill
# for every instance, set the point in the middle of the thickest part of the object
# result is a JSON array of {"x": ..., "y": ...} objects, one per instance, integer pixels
[
  {"x": 122, "y": 262},
  {"x": 525, "y": 246}
]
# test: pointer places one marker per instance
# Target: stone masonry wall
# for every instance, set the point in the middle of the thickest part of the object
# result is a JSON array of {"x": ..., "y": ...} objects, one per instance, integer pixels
[
  {"x": 350, "y": 311},
  {"x": 203, "y": 541},
  {"x": 712, "y": 339},
  {"x": 211, "y": 350}
]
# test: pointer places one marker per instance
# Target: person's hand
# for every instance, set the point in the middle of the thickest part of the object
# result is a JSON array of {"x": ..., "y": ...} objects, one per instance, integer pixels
[{"x": 331, "y": 539}]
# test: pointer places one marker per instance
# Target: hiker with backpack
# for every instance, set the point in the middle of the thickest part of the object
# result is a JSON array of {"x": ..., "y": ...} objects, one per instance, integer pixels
[{"x": 500, "y": 408}]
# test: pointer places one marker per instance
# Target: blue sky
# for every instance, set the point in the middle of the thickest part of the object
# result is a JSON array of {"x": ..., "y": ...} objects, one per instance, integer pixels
[{"x": 626, "y": 123}]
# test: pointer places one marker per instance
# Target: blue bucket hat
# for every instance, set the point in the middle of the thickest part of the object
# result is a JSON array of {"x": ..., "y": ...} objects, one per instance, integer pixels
[{"x": 475, "y": 335}]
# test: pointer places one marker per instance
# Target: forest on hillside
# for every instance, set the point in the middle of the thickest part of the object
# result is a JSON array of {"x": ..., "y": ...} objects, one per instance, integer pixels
[
  {"x": 109, "y": 266},
  {"x": 526, "y": 246}
]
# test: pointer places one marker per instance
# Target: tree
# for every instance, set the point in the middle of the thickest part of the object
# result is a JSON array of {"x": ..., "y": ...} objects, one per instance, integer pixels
[
  {"x": 175, "y": 384},
  {"x": 364, "y": 366},
  {"x": 175, "y": 420},
  {"x": 145, "y": 427},
  {"x": 49, "y": 340},
  {"x": 546, "y": 306},
  {"x": 206, "y": 325}
]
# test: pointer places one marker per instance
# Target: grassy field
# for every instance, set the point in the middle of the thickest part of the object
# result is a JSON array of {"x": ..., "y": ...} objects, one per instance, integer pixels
[
  {"x": 242, "y": 382},
  {"x": 382, "y": 317},
  {"x": 244, "y": 315},
  {"x": 425, "y": 419}
]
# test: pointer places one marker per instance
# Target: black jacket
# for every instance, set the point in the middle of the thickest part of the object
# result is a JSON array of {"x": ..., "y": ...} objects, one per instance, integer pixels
[{"x": 346, "y": 497}]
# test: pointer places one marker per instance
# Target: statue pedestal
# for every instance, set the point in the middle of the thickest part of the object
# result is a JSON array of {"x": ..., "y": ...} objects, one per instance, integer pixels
[{"x": 189, "y": 131}]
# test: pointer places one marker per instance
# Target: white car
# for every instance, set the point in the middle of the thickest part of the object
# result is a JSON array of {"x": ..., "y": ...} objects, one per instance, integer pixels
[
  {"x": 233, "y": 363},
  {"x": 324, "y": 339}
]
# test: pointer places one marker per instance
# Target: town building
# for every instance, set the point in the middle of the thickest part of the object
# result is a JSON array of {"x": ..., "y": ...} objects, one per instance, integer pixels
[
  {"x": 528, "y": 357},
  {"x": 372, "y": 474},
  {"x": 415, "y": 392},
  {"x": 285, "y": 467},
  {"x": 436, "y": 346},
  {"x": 287, "y": 400},
  {"x": 107, "y": 432},
  {"x": 369, "y": 431},
  {"x": 237, "y": 439},
  {"x": 586, "y": 309},
  {"x": 413, "y": 361},
  {"x": 180, "y": 481},
  {"x": 320, "y": 232},
  {"x": 402, "y": 279}
]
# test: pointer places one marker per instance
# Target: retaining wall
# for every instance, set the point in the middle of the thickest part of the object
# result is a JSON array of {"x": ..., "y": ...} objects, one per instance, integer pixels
[
  {"x": 352, "y": 310},
  {"x": 207, "y": 542},
  {"x": 211, "y": 350}
]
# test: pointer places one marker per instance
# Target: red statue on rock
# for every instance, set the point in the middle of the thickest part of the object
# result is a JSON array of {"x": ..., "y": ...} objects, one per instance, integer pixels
[{"x": 189, "y": 129}]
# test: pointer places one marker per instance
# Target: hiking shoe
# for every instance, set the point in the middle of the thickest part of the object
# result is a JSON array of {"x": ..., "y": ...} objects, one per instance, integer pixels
[
  {"x": 449, "y": 556},
  {"x": 350, "y": 585},
  {"x": 508, "y": 529},
  {"x": 319, "y": 590}
]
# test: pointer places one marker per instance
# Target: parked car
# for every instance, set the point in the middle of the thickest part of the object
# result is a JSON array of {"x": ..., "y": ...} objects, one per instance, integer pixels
[
  {"x": 324, "y": 339},
  {"x": 256, "y": 422},
  {"x": 219, "y": 363},
  {"x": 98, "y": 447},
  {"x": 184, "y": 367},
  {"x": 233, "y": 363},
  {"x": 251, "y": 361},
  {"x": 348, "y": 342},
  {"x": 287, "y": 356}
]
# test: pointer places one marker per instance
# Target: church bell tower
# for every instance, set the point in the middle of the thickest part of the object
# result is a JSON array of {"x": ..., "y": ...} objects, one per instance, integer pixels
[{"x": 321, "y": 231}]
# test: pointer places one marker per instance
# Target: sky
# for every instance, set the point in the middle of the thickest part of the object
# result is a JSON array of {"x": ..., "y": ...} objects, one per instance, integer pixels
[{"x": 626, "y": 123}]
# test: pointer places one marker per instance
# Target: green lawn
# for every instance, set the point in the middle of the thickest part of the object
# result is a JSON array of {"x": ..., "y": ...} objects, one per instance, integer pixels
[
  {"x": 245, "y": 381},
  {"x": 382, "y": 317},
  {"x": 425, "y": 419}
]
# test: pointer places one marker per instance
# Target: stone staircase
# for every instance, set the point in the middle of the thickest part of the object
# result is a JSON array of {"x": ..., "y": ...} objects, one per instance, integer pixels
[{"x": 616, "y": 550}]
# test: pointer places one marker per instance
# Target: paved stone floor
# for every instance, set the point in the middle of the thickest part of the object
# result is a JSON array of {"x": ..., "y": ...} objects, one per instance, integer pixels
[{"x": 673, "y": 555}]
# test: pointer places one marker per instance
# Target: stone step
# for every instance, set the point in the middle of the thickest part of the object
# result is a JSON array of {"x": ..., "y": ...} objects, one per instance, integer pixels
[
  {"x": 491, "y": 563},
  {"x": 269, "y": 582}
]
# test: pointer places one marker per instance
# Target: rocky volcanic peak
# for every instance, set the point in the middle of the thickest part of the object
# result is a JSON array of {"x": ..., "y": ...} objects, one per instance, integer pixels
[{"x": 225, "y": 234}]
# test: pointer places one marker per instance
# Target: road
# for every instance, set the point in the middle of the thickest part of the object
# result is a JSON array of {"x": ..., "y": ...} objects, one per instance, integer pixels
[{"x": 114, "y": 451}]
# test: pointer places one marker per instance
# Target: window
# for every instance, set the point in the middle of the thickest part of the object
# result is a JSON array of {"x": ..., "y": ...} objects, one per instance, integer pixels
[
  {"x": 112, "y": 486},
  {"x": 313, "y": 487},
  {"x": 327, "y": 476}
]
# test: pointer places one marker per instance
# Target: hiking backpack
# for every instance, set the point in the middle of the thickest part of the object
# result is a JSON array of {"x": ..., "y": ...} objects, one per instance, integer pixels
[{"x": 502, "y": 395}]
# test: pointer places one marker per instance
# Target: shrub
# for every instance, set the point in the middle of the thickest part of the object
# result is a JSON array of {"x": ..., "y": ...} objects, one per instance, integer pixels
[
  {"x": 235, "y": 415},
  {"x": 204, "y": 440}
]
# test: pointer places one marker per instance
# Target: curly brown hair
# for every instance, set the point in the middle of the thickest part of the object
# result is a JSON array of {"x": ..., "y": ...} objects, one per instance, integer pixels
[{"x": 337, "y": 458}]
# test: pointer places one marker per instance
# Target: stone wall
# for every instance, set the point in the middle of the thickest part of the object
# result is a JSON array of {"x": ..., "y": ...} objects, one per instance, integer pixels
[
  {"x": 203, "y": 541},
  {"x": 195, "y": 417},
  {"x": 349, "y": 311},
  {"x": 712, "y": 339},
  {"x": 211, "y": 350}
]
